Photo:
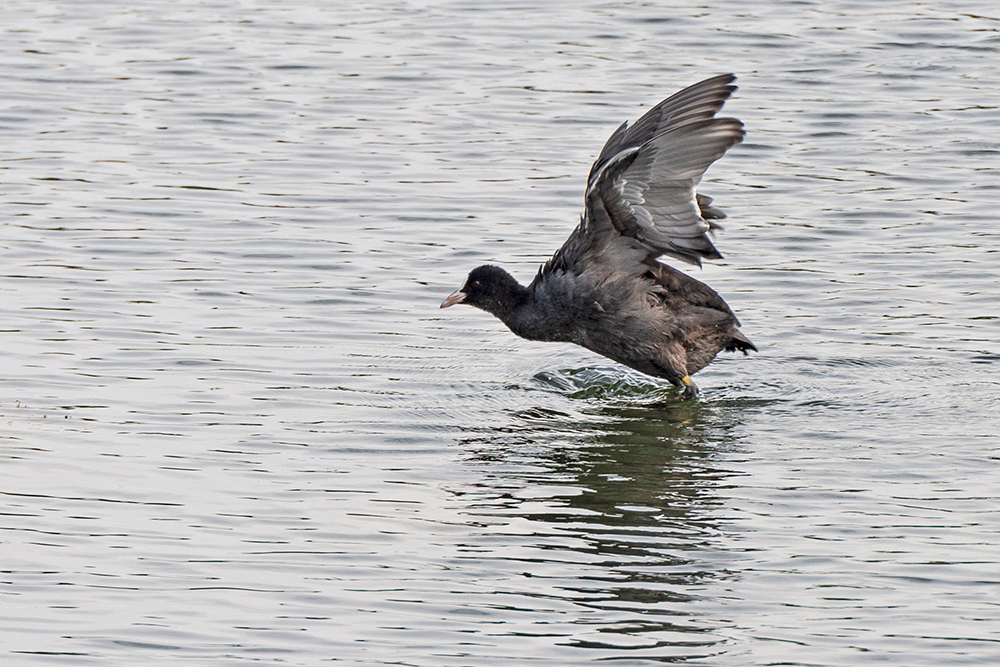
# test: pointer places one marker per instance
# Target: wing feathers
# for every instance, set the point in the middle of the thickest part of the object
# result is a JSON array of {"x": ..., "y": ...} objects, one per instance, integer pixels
[
  {"x": 648, "y": 190},
  {"x": 700, "y": 101},
  {"x": 641, "y": 201}
]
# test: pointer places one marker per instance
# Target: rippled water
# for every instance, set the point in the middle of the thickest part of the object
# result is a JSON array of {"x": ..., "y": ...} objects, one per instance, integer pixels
[{"x": 237, "y": 428}]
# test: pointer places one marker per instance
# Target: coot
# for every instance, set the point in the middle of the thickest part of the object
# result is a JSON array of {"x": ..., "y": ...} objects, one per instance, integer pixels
[{"x": 606, "y": 288}]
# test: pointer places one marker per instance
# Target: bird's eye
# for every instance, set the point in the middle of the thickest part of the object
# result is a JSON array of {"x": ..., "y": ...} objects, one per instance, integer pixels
[{"x": 475, "y": 283}]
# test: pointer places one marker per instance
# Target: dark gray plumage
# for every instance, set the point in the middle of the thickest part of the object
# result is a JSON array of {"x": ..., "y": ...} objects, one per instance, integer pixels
[{"x": 606, "y": 289}]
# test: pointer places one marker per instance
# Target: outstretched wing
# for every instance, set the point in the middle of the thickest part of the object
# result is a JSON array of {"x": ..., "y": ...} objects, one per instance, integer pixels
[
  {"x": 641, "y": 201},
  {"x": 700, "y": 101}
]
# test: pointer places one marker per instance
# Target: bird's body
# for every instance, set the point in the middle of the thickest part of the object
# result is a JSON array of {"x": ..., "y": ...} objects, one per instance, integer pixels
[{"x": 606, "y": 289}]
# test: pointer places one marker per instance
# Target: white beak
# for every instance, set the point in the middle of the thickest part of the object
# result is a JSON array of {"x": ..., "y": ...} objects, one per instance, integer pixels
[{"x": 453, "y": 298}]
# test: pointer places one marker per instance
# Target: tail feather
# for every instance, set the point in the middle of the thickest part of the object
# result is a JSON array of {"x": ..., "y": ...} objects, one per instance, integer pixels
[{"x": 741, "y": 343}]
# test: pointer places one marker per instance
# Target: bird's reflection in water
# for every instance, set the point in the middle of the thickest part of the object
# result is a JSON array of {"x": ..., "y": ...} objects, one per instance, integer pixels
[{"x": 618, "y": 502}]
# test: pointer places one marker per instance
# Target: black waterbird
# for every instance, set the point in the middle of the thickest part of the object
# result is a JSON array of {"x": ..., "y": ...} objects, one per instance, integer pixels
[{"x": 606, "y": 289}]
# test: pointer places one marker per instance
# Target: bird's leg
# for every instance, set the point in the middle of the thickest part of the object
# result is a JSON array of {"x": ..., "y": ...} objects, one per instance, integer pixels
[
  {"x": 673, "y": 362},
  {"x": 690, "y": 388}
]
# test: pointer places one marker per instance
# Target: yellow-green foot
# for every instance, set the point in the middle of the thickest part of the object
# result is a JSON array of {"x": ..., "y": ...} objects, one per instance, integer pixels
[{"x": 690, "y": 388}]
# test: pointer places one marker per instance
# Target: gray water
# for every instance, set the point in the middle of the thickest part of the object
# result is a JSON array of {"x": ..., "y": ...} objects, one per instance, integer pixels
[{"x": 236, "y": 428}]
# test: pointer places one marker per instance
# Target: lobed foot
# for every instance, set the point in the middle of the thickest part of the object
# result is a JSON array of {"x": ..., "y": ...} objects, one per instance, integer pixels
[{"x": 690, "y": 388}]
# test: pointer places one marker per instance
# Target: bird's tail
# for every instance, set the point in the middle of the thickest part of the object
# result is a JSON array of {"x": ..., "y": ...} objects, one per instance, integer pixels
[{"x": 741, "y": 343}]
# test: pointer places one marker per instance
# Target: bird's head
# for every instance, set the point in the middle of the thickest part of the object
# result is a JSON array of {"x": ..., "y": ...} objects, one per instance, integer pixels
[{"x": 489, "y": 288}]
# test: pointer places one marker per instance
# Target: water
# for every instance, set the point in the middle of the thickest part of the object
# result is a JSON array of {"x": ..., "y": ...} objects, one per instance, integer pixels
[{"x": 236, "y": 427}]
